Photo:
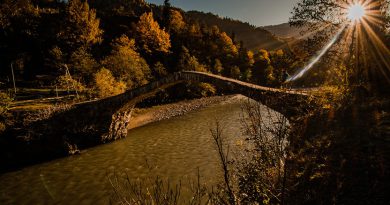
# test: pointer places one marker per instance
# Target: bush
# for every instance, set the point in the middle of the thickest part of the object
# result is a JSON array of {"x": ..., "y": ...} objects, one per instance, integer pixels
[
  {"x": 67, "y": 82},
  {"x": 205, "y": 90},
  {"x": 106, "y": 85},
  {"x": 5, "y": 102}
]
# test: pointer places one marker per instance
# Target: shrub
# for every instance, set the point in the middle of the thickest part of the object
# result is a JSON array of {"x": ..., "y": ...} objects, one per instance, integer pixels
[
  {"x": 206, "y": 89},
  {"x": 67, "y": 82},
  {"x": 106, "y": 85},
  {"x": 5, "y": 102}
]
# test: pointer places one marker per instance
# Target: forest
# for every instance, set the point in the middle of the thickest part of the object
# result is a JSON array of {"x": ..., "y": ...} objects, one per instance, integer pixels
[
  {"x": 102, "y": 48},
  {"x": 333, "y": 150},
  {"x": 100, "y": 45}
]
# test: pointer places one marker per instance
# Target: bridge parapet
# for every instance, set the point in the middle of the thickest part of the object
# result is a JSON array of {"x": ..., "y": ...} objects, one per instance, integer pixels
[{"x": 105, "y": 120}]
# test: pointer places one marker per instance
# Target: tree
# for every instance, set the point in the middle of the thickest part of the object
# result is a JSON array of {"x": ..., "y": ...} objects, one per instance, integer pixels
[
  {"x": 227, "y": 45},
  {"x": 217, "y": 68},
  {"x": 67, "y": 82},
  {"x": 235, "y": 72},
  {"x": 80, "y": 27},
  {"x": 83, "y": 64},
  {"x": 281, "y": 62},
  {"x": 106, "y": 85},
  {"x": 368, "y": 55},
  {"x": 176, "y": 22},
  {"x": 129, "y": 8},
  {"x": 188, "y": 62},
  {"x": 150, "y": 37},
  {"x": 159, "y": 70},
  {"x": 54, "y": 59},
  {"x": 204, "y": 90},
  {"x": 19, "y": 36},
  {"x": 166, "y": 13},
  {"x": 262, "y": 69},
  {"x": 126, "y": 64},
  {"x": 5, "y": 102}
]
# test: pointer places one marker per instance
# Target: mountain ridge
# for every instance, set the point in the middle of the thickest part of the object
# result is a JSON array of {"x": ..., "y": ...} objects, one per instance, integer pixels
[{"x": 254, "y": 38}]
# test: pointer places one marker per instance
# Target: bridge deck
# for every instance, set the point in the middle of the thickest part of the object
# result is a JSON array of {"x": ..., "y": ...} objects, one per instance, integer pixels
[{"x": 250, "y": 85}]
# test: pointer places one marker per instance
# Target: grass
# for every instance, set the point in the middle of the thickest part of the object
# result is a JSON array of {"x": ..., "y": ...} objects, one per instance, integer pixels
[{"x": 30, "y": 99}]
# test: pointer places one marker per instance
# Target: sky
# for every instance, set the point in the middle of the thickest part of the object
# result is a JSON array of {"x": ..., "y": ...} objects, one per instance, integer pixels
[{"x": 255, "y": 12}]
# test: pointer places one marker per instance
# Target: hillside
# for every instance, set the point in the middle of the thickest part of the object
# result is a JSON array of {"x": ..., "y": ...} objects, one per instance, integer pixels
[
  {"x": 254, "y": 38},
  {"x": 284, "y": 30}
]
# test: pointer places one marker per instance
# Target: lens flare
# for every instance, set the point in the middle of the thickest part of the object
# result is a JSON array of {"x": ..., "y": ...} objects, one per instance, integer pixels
[
  {"x": 358, "y": 40},
  {"x": 356, "y": 12},
  {"x": 313, "y": 61}
]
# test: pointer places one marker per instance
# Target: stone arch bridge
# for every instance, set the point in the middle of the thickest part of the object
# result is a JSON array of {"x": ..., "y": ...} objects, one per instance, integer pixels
[{"x": 95, "y": 122}]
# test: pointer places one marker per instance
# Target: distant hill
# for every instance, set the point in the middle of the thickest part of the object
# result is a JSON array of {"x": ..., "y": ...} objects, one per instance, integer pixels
[
  {"x": 284, "y": 30},
  {"x": 254, "y": 38}
]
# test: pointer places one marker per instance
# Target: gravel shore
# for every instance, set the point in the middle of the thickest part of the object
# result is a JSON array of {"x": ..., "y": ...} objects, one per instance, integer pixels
[{"x": 162, "y": 112}]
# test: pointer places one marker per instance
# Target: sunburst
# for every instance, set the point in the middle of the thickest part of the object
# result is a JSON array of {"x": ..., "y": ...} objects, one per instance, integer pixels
[
  {"x": 359, "y": 22},
  {"x": 356, "y": 12}
]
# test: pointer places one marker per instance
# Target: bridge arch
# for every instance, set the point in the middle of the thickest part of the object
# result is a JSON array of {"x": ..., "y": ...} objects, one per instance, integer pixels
[{"x": 95, "y": 122}]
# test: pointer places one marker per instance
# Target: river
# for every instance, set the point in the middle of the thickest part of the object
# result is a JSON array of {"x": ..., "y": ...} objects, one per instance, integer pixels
[{"x": 173, "y": 149}]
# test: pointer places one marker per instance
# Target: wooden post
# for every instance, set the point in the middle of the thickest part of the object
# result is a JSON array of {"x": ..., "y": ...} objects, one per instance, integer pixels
[{"x": 13, "y": 77}]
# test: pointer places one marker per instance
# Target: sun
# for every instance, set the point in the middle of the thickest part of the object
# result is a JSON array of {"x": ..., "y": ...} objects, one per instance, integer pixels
[{"x": 356, "y": 12}]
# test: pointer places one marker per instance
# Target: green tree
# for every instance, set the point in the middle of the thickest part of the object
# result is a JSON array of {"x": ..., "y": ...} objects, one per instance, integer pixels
[
  {"x": 149, "y": 35},
  {"x": 126, "y": 64},
  {"x": 106, "y": 85}
]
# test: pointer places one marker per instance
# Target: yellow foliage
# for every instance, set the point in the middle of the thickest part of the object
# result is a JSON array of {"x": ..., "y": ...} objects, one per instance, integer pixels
[
  {"x": 82, "y": 25},
  {"x": 5, "y": 102},
  {"x": 67, "y": 82},
  {"x": 176, "y": 21},
  {"x": 126, "y": 63},
  {"x": 251, "y": 59},
  {"x": 106, "y": 85},
  {"x": 150, "y": 36},
  {"x": 227, "y": 43},
  {"x": 279, "y": 53}
]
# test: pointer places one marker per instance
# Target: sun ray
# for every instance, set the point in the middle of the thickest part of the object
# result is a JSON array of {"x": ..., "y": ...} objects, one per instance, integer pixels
[
  {"x": 318, "y": 57},
  {"x": 356, "y": 12}
]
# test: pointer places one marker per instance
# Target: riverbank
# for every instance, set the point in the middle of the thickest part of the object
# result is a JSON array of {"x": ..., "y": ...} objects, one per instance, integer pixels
[
  {"x": 22, "y": 150},
  {"x": 143, "y": 116}
]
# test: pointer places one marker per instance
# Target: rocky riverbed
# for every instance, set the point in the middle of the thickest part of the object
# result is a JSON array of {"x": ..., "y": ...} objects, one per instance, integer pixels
[{"x": 162, "y": 112}]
